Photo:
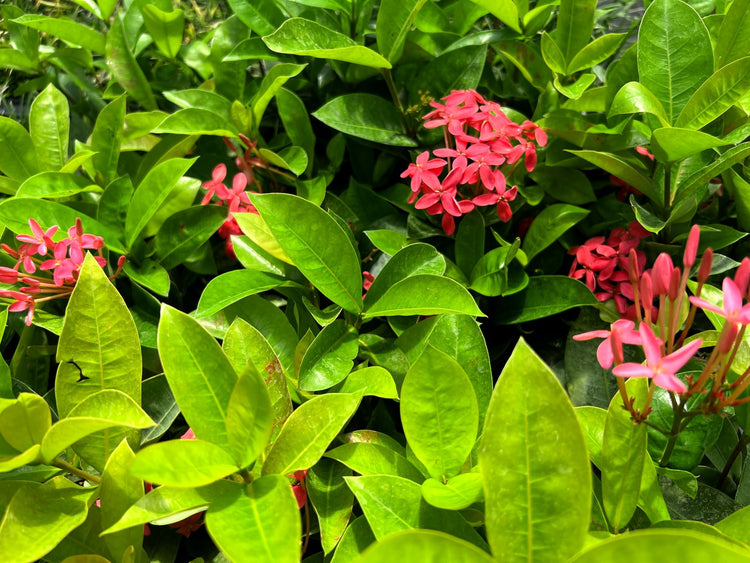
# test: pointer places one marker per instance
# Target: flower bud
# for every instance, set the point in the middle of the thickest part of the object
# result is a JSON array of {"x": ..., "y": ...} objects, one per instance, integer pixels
[
  {"x": 691, "y": 249},
  {"x": 705, "y": 268}
]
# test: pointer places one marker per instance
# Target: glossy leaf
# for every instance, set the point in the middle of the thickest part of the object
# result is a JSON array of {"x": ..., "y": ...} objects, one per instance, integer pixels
[
  {"x": 392, "y": 504},
  {"x": 49, "y": 127},
  {"x": 308, "y": 432},
  {"x": 199, "y": 374},
  {"x": 544, "y": 296},
  {"x": 439, "y": 413},
  {"x": 374, "y": 459},
  {"x": 634, "y": 97},
  {"x": 733, "y": 41},
  {"x": 355, "y": 540},
  {"x": 575, "y": 23},
  {"x": 272, "y": 83},
  {"x": 292, "y": 158},
  {"x": 329, "y": 359},
  {"x": 124, "y": 67},
  {"x": 183, "y": 463},
  {"x": 552, "y": 54},
  {"x": 599, "y": 50},
  {"x": 258, "y": 522},
  {"x": 65, "y": 29},
  {"x": 457, "y": 69},
  {"x": 670, "y": 144},
  {"x": 52, "y": 185},
  {"x": 149, "y": 274},
  {"x": 690, "y": 185},
  {"x": 165, "y": 28},
  {"x": 18, "y": 158},
  {"x": 395, "y": 18},
  {"x": 716, "y": 95},
  {"x": 674, "y": 53},
  {"x": 159, "y": 404},
  {"x": 331, "y": 499},
  {"x": 106, "y": 139},
  {"x": 317, "y": 244},
  {"x": 504, "y": 10},
  {"x": 626, "y": 172},
  {"x": 461, "y": 491},
  {"x": 249, "y": 418},
  {"x": 185, "y": 231},
  {"x": 298, "y": 36},
  {"x": 202, "y": 99},
  {"x": 547, "y": 227},
  {"x": 532, "y": 443},
  {"x": 230, "y": 287},
  {"x": 424, "y": 545},
  {"x": 258, "y": 232},
  {"x": 296, "y": 120},
  {"x": 424, "y": 294},
  {"x": 196, "y": 121},
  {"x": 372, "y": 380},
  {"x": 261, "y": 16},
  {"x": 366, "y": 116}
]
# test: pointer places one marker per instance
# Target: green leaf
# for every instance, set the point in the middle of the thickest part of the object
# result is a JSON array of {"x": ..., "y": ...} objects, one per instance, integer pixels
[
  {"x": 457, "y": 69},
  {"x": 544, "y": 296},
  {"x": 366, "y": 116},
  {"x": 634, "y": 97},
  {"x": 656, "y": 546},
  {"x": 258, "y": 232},
  {"x": 599, "y": 50},
  {"x": 331, "y": 499},
  {"x": 317, "y": 244},
  {"x": 618, "y": 167},
  {"x": 105, "y": 409},
  {"x": 490, "y": 275},
  {"x": 549, "y": 225},
  {"x": 151, "y": 193},
  {"x": 183, "y": 463},
  {"x": 504, "y": 10},
  {"x": 308, "y": 432},
  {"x": 49, "y": 126},
  {"x": 424, "y": 294},
  {"x": 258, "y": 522},
  {"x": 716, "y": 95},
  {"x": 201, "y": 99},
  {"x": 623, "y": 454},
  {"x": 577, "y": 88},
  {"x": 196, "y": 121},
  {"x": 261, "y": 16},
  {"x": 575, "y": 24},
  {"x": 469, "y": 242},
  {"x": 356, "y": 538},
  {"x": 374, "y": 459},
  {"x": 230, "y": 287},
  {"x": 424, "y": 545},
  {"x": 670, "y": 144},
  {"x": 18, "y": 157},
  {"x": 199, "y": 374},
  {"x": 461, "y": 491},
  {"x": 118, "y": 491},
  {"x": 98, "y": 349},
  {"x": 298, "y": 36},
  {"x": 329, "y": 359},
  {"x": 28, "y": 531},
  {"x": 552, "y": 54},
  {"x": 532, "y": 443},
  {"x": 149, "y": 274},
  {"x": 395, "y": 18},
  {"x": 106, "y": 139},
  {"x": 159, "y": 404},
  {"x": 124, "y": 67},
  {"x": 373, "y": 380},
  {"x": 291, "y": 158},
  {"x": 165, "y": 28},
  {"x": 439, "y": 413},
  {"x": 54, "y": 185},
  {"x": 674, "y": 53},
  {"x": 249, "y": 418},
  {"x": 11, "y": 461},
  {"x": 733, "y": 41},
  {"x": 272, "y": 83},
  {"x": 701, "y": 177},
  {"x": 392, "y": 504},
  {"x": 65, "y": 29},
  {"x": 24, "y": 421},
  {"x": 185, "y": 231},
  {"x": 296, "y": 120},
  {"x": 418, "y": 258}
]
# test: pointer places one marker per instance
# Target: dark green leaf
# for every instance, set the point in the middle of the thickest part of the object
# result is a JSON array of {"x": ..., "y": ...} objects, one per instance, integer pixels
[
  {"x": 544, "y": 296},
  {"x": 395, "y": 18}
]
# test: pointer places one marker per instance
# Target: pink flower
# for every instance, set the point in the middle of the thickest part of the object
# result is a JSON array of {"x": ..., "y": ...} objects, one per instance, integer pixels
[
  {"x": 299, "y": 488},
  {"x": 662, "y": 369},
  {"x": 189, "y": 435},
  {"x": 215, "y": 185},
  {"x": 732, "y": 309},
  {"x": 625, "y": 334},
  {"x": 423, "y": 172},
  {"x": 40, "y": 240}
]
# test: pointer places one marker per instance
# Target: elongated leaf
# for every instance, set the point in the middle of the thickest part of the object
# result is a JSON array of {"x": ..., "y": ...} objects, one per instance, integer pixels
[
  {"x": 262, "y": 16},
  {"x": 504, "y": 10},
  {"x": 544, "y": 296},
  {"x": 670, "y": 144},
  {"x": 298, "y": 36},
  {"x": 716, "y": 95},
  {"x": 232, "y": 286},
  {"x": 575, "y": 23},
  {"x": 49, "y": 126},
  {"x": 674, "y": 53},
  {"x": 439, "y": 413},
  {"x": 257, "y": 230},
  {"x": 733, "y": 41},
  {"x": 356, "y": 538},
  {"x": 329, "y": 359},
  {"x": 185, "y": 231},
  {"x": 424, "y": 545},
  {"x": 701, "y": 177},
  {"x": 165, "y": 28},
  {"x": 272, "y": 83},
  {"x": 308, "y": 432},
  {"x": 196, "y": 121},
  {"x": 259, "y": 522},
  {"x": 424, "y": 294},
  {"x": 18, "y": 158},
  {"x": 183, "y": 463},
  {"x": 249, "y": 418},
  {"x": 634, "y": 97},
  {"x": 98, "y": 349},
  {"x": 395, "y": 18},
  {"x": 65, "y": 29},
  {"x": 124, "y": 67},
  {"x": 596, "y": 52},
  {"x": 366, "y": 116},
  {"x": 55, "y": 185},
  {"x": 199, "y": 374},
  {"x": 373, "y": 459},
  {"x": 618, "y": 167},
  {"x": 317, "y": 244},
  {"x": 296, "y": 120},
  {"x": 392, "y": 504},
  {"x": 547, "y": 227},
  {"x": 331, "y": 499},
  {"x": 532, "y": 443},
  {"x": 552, "y": 54},
  {"x": 106, "y": 139},
  {"x": 151, "y": 193}
]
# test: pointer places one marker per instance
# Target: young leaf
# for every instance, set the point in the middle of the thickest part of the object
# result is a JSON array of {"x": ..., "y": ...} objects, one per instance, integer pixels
[
  {"x": 49, "y": 126},
  {"x": 439, "y": 413},
  {"x": 373, "y": 380},
  {"x": 552, "y": 54},
  {"x": 575, "y": 23},
  {"x": 165, "y": 28},
  {"x": 272, "y": 83},
  {"x": 24, "y": 421},
  {"x": 395, "y": 18},
  {"x": 634, "y": 97},
  {"x": 316, "y": 243},
  {"x": 106, "y": 139},
  {"x": 733, "y": 41},
  {"x": 532, "y": 443},
  {"x": 329, "y": 359},
  {"x": 670, "y": 144},
  {"x": 596, "y": 52},
  {"x": 457, "y": 493}
]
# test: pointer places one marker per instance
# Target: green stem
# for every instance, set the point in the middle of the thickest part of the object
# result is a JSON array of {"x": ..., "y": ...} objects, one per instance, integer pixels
[
  {"x": 674, "y": 432},
  {"x": 738, "y": 449},
  {"x": 396, "y": 101},
  {"x": 64, "y": 465}
]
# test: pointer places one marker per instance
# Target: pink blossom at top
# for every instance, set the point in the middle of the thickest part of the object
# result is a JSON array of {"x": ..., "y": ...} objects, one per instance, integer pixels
[
  {"x": 732, "y": 309},
  {"x": 625, "y": 335},
  {"x": 39, "y": 241},
  {"x": 662, "y": 369},
  {"x": 423, "y": 172}
]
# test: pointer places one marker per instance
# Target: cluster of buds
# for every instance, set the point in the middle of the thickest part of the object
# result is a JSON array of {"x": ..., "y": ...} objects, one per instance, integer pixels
[
  {"x": 602, "y": 263},
  {"x": 482, "y": 147},
  {"x": 662, "y": 330},
  {"x": 52, "y": 278}
]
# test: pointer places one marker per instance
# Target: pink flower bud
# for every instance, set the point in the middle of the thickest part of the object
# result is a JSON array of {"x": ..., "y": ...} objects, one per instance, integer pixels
[
  {"x": 662, "y": 273},
  {"x": 705, "y": 268},
  {"x": 691, "y": 249}
]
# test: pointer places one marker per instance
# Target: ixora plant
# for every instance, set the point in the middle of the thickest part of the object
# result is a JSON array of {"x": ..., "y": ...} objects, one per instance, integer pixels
[{"x": 342, "y": 281}]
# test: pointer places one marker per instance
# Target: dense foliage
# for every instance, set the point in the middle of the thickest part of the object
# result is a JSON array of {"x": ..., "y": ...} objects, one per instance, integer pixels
[{"x": 346, "y": 280}]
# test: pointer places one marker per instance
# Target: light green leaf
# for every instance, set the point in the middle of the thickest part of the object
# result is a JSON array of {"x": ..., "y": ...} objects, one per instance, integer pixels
[
  {"x": 230, "y": 287},
  {"x": 374, "y": 459},
  {"x": 331, "y": 499},
  {"x": 272, "y": 83},
  {"x": 65, "y": 29},
  {"x": 549, "y": 225},
  {"x": 552, "y": 54},
  {"x": 504, "y": 10},
  {"x": 330, "y": 357},
  {"x": 634, "y": 97},
  {"x": 18, "y": 156},
  {"x": 461, "y": 491},
  {"x": 599, "y": 50},
  {"x": 196, "y": 121},
  {"x": 165, "y": 28},
  {"x": 292, "y": 158},
  {"x": 106, "y": 139},
  {"x": 54, "y": 185},
  {"x": 670, "y": 144},
  {"x": 532, "y": 443},
  {"x": 373, "y": 380},
  {"x": 395, "y": 18},
  {"x": 575, "y": 23},
  {"x": 186, "y": 230},
  {"x": 49, "y": 126},
  {"x": 249, "y": 418},
  {"x": 124, "y": 67},
  {"x": 733, "y": 41}
]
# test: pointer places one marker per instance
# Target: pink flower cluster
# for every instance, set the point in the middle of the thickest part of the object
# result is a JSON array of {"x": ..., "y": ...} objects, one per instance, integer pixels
[
  {"x": 235, "y": 198},
  {"x": 482, "y": 148},
  {"x": 602, "y": 263},
  {"x": 64, "y": 265}
]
